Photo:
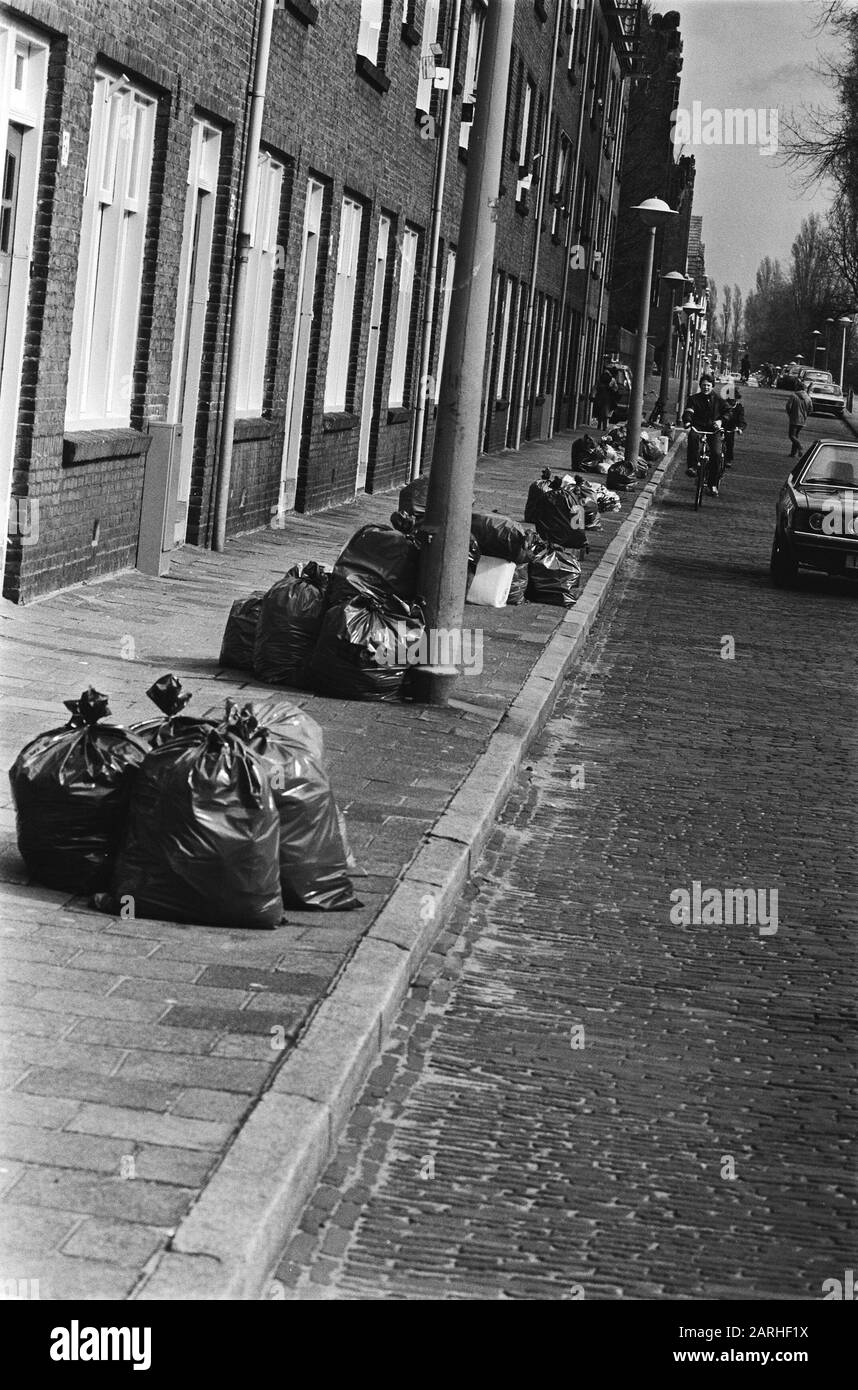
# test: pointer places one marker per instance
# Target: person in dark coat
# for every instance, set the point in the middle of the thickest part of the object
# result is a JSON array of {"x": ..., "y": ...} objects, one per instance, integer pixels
[
  {"x": 605, "y": 398},
  {"x": 798, "y": 408},
  {"x": 734, "y": 423},
  {"x": 705, "y": 411}
]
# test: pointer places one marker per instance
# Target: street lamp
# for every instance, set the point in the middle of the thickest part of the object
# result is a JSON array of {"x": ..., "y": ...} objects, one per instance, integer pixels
[
  {"x": 690, "y": 310},
  {"x": 844, "y": 322},
  {"x": 674, "y": 278},
  {"x": 828, "y": 326},
  {"x": 816, "y": 337},
  {"x": 654, "y": 213}
]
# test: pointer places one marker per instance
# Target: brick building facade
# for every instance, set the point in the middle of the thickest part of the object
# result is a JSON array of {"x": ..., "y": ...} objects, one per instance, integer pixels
[
  {"x": 653, "y": 168},
  {"x": 125, "y": 137}
]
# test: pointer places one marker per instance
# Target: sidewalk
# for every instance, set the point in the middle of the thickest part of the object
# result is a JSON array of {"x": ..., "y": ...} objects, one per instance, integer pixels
[{"x": 158, "y": 1135}]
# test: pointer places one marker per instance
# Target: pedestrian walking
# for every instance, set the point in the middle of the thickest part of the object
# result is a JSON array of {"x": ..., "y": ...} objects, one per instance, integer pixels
[
  {"x": 798, "y": 408},
  {"x": 605, "y": 398}
]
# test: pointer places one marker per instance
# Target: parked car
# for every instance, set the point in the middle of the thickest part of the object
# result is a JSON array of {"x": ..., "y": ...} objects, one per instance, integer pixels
[
  {"x": 816, "y": 514},
  {"x": 788, "y": 377},
  {"x": 811, "y": 374},
  {"x": 623, "y": 377},
  {"x": 825, "y": 398}
]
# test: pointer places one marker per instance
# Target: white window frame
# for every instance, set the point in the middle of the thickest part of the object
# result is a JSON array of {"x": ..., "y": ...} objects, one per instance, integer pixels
[
  {"x": 429, "y": 38},
  {"x": 261, "y": 265},
  {"x": 110, "y": 259},
  {"x": 369, "y": 29},
  {"x": 23, "y": 107},
  {"x": 343, "y": 311},
  {"x": 525, "y": 171},
  {"x": 472, "y": 67},
  {"x": 446, "y": 295},
  {"x": 408, "y": 248},
  {"x": 504, "y": 339}
]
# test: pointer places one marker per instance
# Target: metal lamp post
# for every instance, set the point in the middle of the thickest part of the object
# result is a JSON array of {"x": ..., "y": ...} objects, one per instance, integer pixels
[
  {"x": 844, "y": 322},
  {"x": 654, "y": 213},
  {"x": 829, "y": 324},
  {"x": 817, "y": 334},
  {"x": 674, "y": 278}
]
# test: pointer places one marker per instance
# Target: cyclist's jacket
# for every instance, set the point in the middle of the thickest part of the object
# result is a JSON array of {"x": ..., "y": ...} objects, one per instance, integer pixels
[
  {"x": 702, "y": 411},
  {"x": 734, "y": 415}
]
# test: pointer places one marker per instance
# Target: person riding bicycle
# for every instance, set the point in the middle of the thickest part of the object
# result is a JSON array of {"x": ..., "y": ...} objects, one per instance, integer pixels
[
  {"x": 704, "y": 411},
  {"x": 734, "y": 423}
]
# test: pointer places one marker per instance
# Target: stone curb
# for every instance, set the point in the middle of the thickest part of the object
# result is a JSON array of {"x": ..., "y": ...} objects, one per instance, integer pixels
[{"x": 226, "y": 1246}]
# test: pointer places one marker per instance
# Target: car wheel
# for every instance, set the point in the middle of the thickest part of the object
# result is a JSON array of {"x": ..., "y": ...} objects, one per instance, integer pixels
[{"x": 784, "y": 569}]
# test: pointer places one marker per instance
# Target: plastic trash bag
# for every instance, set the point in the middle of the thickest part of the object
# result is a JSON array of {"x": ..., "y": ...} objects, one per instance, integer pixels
[
  {"x": 619, "y": 479},
  {"x": 202, "y": 842},
  {"x": 556, "y": 512},
  {"x": 168, "y": 695},
  {"x": 555, "y": 574},
  {"x": 71, "y": 788},
  {"x": 314, "y": 854},
  {"x": 500, "y": 537},
  {"x": 366, "y": 648},
  {"x": 490, "y": 586},
  {"x": 236, "y": 650},
  {"x": 518, "y": 587},
  {"x": 378, "y": 561},
  {"x": 290, "y": 619}
]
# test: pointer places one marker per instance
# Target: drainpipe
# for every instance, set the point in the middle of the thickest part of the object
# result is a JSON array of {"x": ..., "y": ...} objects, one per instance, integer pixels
[
  {"x": 573, "y": 197},
  {"x": 434, "y": 240},
  {"x": 246, "y": 215},
  {"x": 544, "y": 175}
]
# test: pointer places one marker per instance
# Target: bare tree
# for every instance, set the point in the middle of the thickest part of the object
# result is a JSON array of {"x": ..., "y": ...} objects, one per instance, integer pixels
[
  {"x": 738, "y": 310},
  {"x": 726, "y": 319}
]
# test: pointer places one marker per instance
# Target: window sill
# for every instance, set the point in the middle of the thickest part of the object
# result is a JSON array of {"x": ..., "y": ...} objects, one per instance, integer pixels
[
  {"x": 371, "y": 74},
  {"x": 303, "y": 9},
  {"x": 337, "y": 420},
  {"x": 410, "y": 35},
  {"x": 89, "y": 446},
  {"x": 398, "y": 415},
  {"x": 253, "y": 427}
]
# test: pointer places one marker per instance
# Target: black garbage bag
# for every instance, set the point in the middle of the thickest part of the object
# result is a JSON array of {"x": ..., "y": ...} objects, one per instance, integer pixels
[
  {"x": 555, "y": 574},
  {"x": 500, "y": 536},
  {"x": 379, "y": 561},
  {"x": 518, "y": 587},
  {"x": 556, "y": 512},
  {"x": 366, "y": 648},
  {"x": 473, "y": 554},
  {"x": 290, "y": 619},
  {"x": 71, "y": 789},
  {"x": 202, "y": 842},
  {"x": 239, "y": 634},
  {"x": 412, "y": 497},
  {"x": 313, "y": 851},
  {"x": 619, "y": 479},
  {"x": 168, "y": 695}
]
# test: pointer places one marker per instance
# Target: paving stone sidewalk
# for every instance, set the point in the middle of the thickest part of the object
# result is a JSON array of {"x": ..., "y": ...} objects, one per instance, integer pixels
[{"x": 132, "y": 1051}]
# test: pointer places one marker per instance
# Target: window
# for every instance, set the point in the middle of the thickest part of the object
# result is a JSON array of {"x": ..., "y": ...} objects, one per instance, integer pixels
[
  {"x": 402, "y": 331},
  {"x": 562, "y": 173},
  {"x": 343, "y": 317},
  {"x": 472, "y": 68},
  {"x": 369, "y": 33},
  {"x": 260, "y": 283},
  {"x": 446, "y": 293},
  {"x": 503, "y": 340},
  {"x": 525, "y": 173},
  {"x": 428, "y": 54},
  {"x": 110, "y": 264}
]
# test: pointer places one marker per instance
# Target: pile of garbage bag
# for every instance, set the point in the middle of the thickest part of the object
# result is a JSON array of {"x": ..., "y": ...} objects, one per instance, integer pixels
[{"x": 218, "y": 820}]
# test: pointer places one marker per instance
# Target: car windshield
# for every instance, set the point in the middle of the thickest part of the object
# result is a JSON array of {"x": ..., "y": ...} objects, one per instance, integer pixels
[
  {"x": 824, "y": 388},
  {"x": 835, "y": 464}
]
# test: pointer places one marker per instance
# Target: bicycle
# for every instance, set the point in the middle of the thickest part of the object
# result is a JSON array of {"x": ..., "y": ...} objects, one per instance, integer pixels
[{"x": 703, "y": 463}]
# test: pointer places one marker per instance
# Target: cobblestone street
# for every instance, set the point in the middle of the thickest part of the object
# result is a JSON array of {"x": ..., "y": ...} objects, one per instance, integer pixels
[{"x": 582, "y": 1098}]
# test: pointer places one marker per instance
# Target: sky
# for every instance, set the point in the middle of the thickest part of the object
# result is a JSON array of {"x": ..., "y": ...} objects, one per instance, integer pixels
[{"x": 764, "y": 55}]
